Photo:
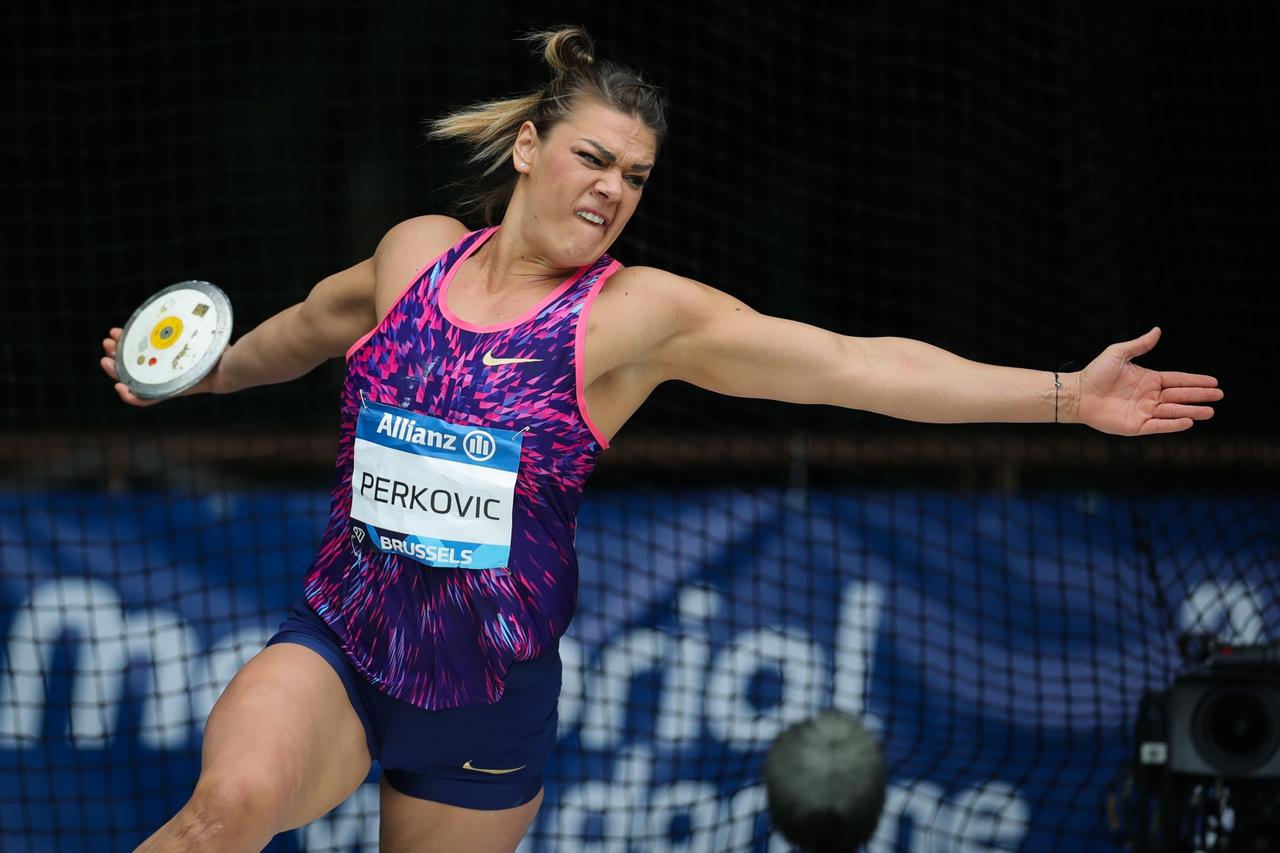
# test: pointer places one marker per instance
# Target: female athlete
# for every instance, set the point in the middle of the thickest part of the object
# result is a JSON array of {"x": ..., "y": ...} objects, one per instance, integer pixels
[{"x": 487, "y": 369}]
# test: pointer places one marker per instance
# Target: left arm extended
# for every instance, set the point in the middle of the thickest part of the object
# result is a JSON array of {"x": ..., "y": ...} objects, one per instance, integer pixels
[{"x": 717, "y": 342}]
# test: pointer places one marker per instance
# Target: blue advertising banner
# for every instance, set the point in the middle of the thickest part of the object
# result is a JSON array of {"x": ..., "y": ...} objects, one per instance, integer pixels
[{"x": 997, "y": 644}]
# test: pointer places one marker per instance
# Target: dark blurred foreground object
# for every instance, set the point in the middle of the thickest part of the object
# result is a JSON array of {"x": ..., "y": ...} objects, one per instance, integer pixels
[{"x": 824, "y": 778}]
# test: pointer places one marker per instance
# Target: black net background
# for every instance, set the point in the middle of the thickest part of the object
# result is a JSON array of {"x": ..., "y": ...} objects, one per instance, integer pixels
[{"x": 1018, "y": 184}]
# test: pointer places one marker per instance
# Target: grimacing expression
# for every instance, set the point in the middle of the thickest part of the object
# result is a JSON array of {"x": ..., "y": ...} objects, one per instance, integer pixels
[{"x": 586, "y": 177}]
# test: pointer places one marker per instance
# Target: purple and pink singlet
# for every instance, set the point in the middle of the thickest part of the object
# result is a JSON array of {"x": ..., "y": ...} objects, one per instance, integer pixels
[{"x": 464, "y": 449}]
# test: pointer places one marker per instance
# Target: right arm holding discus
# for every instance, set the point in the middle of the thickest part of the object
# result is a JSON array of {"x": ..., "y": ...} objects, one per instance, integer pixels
[
  {"x": 336, "y": 312},
  {"x": 291, "y": 343}
]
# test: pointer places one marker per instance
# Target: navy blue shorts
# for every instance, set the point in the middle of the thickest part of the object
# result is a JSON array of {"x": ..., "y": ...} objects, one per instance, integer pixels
[{"x": 477, "y": 757}]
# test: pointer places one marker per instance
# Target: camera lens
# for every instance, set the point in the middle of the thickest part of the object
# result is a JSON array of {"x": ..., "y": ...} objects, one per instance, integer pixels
[
  {"x": 1237, "y": 729},
  {"x": 1238, "y": 723}
]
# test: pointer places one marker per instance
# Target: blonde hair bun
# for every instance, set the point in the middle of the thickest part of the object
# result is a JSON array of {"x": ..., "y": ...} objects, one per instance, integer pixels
[{"x": 565, "y": 49}]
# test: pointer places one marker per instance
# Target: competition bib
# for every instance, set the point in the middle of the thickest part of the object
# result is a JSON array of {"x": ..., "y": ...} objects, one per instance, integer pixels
[{"x": 439, "y": 493}]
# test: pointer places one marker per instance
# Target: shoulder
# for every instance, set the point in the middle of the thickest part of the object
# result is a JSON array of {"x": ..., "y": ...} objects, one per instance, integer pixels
[
  {"x": 650, "y": 276},
  {"x": 410, "y": 244},
  {"x": 644, "y": 311},
  {"x": 658, "y": 287},
  {"x": 638, "y": 302},
  {"x": 420, "y": 234},
  {"x": 673, "y": 301}
]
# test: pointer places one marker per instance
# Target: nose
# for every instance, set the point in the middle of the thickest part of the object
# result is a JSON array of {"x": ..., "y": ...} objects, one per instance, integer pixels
[{"x": 610, "y": 184}]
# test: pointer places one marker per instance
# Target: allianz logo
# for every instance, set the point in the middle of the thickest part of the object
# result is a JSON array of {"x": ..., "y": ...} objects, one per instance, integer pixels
[
  {"x": 406, "y": 429},
  {"x": 477, "y": 444}
]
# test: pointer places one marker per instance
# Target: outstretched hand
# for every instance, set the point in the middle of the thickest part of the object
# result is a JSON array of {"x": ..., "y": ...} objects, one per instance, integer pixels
[{"x": 1117, "y": 396}]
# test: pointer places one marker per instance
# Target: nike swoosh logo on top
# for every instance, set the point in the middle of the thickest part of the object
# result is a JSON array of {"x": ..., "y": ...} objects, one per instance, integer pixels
[
  {"x": 468, "y": 766},
  {"x": 491, "y": 361}
]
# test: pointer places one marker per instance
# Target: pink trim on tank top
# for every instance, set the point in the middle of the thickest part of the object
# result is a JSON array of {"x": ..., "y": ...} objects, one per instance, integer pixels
[
  {"x": 443, "y": 302},
  {"x": 416, "y": 278},
  {"x": 579, "y": 341}
]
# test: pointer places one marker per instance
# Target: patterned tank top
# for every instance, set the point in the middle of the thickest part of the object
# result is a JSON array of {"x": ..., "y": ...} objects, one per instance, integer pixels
[{"x": 463, "y": 452}]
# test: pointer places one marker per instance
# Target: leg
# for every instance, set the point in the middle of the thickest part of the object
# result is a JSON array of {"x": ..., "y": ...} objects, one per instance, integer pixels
[
  {"x": 282, "y": 746},
  {"x": 411, "y": 825}
]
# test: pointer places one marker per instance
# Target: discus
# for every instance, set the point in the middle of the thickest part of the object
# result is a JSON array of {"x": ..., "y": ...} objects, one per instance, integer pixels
[{"x": 174, "y": 339}]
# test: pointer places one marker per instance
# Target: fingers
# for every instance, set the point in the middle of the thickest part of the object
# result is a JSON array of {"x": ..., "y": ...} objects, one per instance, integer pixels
[
  {"x": 1176, "y": 412},
  {"x": 1172, "y": 379},
  {"x": 127, "y": 396},
  {"x": 1190, "y": 395},
  {"x": 1170, "y": 415},
  {"x": 109, "y": 345},
  {"x": 1156, "y": 426},
  {"x": 108, "y": 362}
]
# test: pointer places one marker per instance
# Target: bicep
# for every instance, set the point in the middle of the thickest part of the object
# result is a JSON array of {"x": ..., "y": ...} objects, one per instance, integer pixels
[
  {"x": 723, "y": 345},
  {"x": 339, "y": 310},
  {"x": 343, "y": 307}
]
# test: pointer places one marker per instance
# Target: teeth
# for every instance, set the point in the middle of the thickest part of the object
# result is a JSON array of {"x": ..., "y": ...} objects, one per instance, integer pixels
[{"x": 591, "y": 217}]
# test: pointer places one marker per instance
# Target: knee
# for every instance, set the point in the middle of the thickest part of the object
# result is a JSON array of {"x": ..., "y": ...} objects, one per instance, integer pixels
[{"x": 239, "y": 805}]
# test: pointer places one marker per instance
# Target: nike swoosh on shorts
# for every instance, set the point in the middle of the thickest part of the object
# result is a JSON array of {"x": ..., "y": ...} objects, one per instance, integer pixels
[{"x": 468, "y": 766}]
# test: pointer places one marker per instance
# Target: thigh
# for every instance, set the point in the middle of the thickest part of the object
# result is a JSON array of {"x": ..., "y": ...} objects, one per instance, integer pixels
[
  {"x": 469, "y": 778},
  {"x": 413, "y": 825},
  {"x": 286, "y": 728},
  {"x": 484, "y": 757}
]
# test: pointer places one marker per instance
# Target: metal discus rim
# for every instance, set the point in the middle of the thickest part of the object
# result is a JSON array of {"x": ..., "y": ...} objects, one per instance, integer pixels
[{"x": 197, "y": 371}]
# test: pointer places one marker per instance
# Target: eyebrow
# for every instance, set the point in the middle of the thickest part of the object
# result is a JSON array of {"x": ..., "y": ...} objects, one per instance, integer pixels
[{"x": 613, "y": 158}]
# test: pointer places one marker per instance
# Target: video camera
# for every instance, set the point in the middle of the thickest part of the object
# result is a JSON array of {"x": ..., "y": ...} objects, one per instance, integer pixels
[{"x": 1207, "y": 763}]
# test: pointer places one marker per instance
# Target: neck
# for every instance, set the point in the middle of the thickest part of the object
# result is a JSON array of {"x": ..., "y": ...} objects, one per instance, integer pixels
[{"x": 509, "y": 262}]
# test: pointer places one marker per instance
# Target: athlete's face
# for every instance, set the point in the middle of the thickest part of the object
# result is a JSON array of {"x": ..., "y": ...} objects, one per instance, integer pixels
[{"x": 584, "y": 179}]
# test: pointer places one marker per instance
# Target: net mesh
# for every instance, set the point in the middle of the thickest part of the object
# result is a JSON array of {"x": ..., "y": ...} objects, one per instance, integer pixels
[{"x": 1019, "y": 185}]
